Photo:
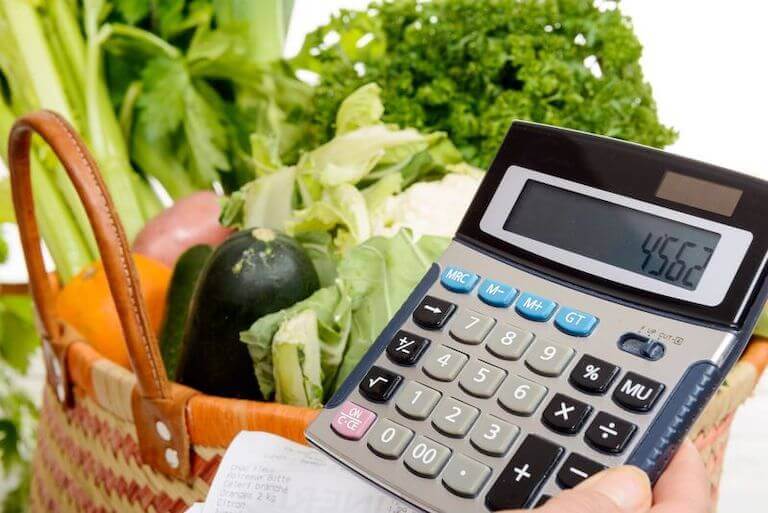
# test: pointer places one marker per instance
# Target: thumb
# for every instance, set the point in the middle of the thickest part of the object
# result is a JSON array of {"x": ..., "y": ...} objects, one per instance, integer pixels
[{"x": 619, "y": 490}]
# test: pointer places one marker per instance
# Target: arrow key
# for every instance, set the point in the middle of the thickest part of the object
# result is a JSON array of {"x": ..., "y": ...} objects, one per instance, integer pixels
[
  {"x": 379, "y": 384},
  {"x": 432, "y": 313}
]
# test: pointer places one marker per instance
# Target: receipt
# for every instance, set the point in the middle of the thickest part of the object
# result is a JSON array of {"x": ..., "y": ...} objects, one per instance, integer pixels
[{"x": 263, "y": 473}]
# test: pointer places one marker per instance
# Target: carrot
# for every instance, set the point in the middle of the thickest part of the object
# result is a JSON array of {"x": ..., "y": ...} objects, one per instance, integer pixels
[{"x": 86, "y": 304}]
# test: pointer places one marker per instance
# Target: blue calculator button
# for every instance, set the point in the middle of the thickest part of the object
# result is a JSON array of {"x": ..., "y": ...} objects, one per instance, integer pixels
[
  {"x": 496, "y": 293},
  {"x": 535, "y": 308},
  {"x": 457, "y": 279},
  {"x": 573, "y": 322}
]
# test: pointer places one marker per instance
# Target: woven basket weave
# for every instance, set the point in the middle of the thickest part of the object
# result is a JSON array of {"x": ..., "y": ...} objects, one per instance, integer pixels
[{"x": 100, "y": 446}]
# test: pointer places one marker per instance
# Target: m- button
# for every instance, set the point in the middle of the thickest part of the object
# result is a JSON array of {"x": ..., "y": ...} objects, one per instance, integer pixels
[{"x": 637, "y": 393}]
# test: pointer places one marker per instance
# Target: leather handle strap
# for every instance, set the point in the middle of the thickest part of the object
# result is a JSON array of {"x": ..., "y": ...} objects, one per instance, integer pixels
[{"x": 159, "y": 408}]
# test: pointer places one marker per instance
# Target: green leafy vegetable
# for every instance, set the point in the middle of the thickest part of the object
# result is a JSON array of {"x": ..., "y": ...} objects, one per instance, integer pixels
[
  {"x": 469, "y": 68},
  {"x": 373, "y": 281}
]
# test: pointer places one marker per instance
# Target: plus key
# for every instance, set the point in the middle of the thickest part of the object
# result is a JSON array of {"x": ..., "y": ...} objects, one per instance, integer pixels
[{"x": 518, "y": 483}]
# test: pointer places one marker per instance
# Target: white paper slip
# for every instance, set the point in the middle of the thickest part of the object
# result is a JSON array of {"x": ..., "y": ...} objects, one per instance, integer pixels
[
  {"x": 263, "y": 473},
  {"x": 197, "y": 507}
]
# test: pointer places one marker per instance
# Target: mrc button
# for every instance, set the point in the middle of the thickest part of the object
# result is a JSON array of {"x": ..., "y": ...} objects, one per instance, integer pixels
[
  {"x": 457, "y": 279},
  {"x": 637, "y": 393}
]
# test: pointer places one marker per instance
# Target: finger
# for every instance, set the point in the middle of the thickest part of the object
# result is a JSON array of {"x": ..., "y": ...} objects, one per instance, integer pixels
[
  {"x": 619, "y": 490},
  {"x": 684, "y": 486}
]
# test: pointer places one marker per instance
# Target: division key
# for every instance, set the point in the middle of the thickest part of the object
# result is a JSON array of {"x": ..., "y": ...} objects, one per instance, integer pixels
[{"x": 533, "y": 462}]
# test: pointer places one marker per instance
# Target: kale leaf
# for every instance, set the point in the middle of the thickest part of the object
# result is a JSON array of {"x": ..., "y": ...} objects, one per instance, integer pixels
[{"x": 470, "y": 68}]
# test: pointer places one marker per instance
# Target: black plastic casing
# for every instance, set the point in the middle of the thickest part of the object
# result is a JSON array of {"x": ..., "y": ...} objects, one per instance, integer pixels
[{"x": 634, "y": 171}]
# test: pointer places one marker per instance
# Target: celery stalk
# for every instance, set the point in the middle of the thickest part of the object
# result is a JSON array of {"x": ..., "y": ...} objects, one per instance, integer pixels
[{"x": 60, "y": 231}]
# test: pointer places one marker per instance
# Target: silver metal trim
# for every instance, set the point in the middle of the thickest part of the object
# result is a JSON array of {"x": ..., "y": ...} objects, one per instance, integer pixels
[{"x": 713, "y": 286}]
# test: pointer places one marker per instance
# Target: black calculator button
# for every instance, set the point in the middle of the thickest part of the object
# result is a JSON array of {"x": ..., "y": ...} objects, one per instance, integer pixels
[
  {"x": 379, "y": 384},
  {"x": 609, "y": 434},
  {"x": 593, "y": 375},
  {"x": 576, "y": 469},
  {"x": 432, "y": 313},
  {"x": 566, "y": 415},
  {"x": 637, "y": 393},
  {"x": 406, "y": 348},
  {"x": 531, "y": 465}
]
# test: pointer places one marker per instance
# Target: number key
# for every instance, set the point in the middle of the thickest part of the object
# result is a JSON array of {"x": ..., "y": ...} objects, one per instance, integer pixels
[
  {"x": 417, "y": 401},
  {"x": 471, "y": 327},
  {"x": 388, "y": 439},
  {"x": 547, "y": 358},
  {"x": 454, "y": 418},
  {"x": 508, "y": 342},
  {"x": 406, "y": 348},
  {"x": 426, "y": 457},
  {"x": 493, "y": 436},
  {"x": 521, "y": 396},
  {"x": 481, "y": 379},
  {"x": 444, "y": 363}
]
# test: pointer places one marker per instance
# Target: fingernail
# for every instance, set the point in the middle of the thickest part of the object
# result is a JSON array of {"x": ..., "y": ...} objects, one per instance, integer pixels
[{"x": 628, "y": 487}]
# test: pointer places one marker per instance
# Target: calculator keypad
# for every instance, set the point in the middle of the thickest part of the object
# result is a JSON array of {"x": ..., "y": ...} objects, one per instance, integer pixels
[
  {"x": 610, "y": 434},
  {"x": 379, "y": 384},
  {"x": 465, "y": 476},
  {"x": 533, "y": 462},
  {"x": 453, "y": 417},
  {"x": 471, "y": 327},
  {"x": 521, "y": 396},
  {"x": 480, "y": 379},
  {"x": 432, "y": 313},
  {"x": 425, "y": 457},
  {"x": 406, "y": 348},
  {"x": 504, "y": 394},
  {"x": 548, "y": 358},
  {"x": 416, "y": 401},
  {"x": 508, "y": 342},
  {"x": 493, "y": 436},
  {"x": 389, "y": 439},
  {"x": 444, "y": 363},
  {"x": 565, "y": 414},
  {"x": 593, "y": 375}
]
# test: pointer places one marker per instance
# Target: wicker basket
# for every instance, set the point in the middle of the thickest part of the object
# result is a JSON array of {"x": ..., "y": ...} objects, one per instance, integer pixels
[{"x": 115, "y": 440}]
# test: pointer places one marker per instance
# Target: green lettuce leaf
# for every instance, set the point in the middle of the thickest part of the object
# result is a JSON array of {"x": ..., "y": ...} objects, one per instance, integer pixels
[
  {"x": 359, "y": 109},
  {"x": 296, "y": 361}
]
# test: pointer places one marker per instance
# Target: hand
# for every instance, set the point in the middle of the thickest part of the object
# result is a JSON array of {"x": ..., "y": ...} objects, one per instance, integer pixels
[{"x": 683, "y": 488}]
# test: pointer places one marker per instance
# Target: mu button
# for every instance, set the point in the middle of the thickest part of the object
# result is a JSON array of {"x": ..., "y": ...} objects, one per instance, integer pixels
[{"x": 637, "y": 393}]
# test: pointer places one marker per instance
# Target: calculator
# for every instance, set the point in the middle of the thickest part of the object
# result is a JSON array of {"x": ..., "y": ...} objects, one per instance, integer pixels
[{"x": 592, "y": 301}]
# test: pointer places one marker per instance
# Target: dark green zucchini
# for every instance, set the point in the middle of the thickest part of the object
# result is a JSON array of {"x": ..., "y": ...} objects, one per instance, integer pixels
[{"x": 253, "y": 273}]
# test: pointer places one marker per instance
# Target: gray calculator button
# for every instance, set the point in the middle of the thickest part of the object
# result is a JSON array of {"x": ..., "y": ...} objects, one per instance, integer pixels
[
  {"x": 388, "y": 439},
  {"x": 547, "y": 358},
  {"x": 454, "y": 418},
  {"x": 471, "y": 327},
  {"x": 465, "y": 476},
  {"x": 417, "y": 401},
  {"x": 521, "y": 396},
  {"x": 493, "y": 436},
  {"x": 426, "y": 457},
  {"x": 508, "y": 342},
  {"x": 444, "y": 363},
  {"x": 481, "y": 379}
]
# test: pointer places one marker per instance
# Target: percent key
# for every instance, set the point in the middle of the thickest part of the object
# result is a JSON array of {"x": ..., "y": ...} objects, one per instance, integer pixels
[{"x": 593, "y": 375}]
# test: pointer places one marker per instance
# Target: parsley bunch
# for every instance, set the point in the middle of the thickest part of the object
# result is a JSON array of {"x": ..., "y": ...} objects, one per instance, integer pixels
[{"x": 469, "y": 68}]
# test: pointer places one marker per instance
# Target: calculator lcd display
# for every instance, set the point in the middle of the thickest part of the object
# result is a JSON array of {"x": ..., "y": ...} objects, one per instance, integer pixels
[{"x": 647, "y": 244}]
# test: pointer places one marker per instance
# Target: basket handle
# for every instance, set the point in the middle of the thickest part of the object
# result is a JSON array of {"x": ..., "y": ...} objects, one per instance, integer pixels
[{"x": 158, "y": 408}]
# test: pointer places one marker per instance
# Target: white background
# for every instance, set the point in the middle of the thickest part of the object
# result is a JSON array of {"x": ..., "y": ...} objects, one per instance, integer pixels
[{"x": 708, "y": 66}]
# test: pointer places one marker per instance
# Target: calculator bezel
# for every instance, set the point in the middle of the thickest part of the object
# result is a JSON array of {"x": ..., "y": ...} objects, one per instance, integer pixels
[
  {"x": 632, "y": 171},
  {"x": 713, "y": 286}
]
